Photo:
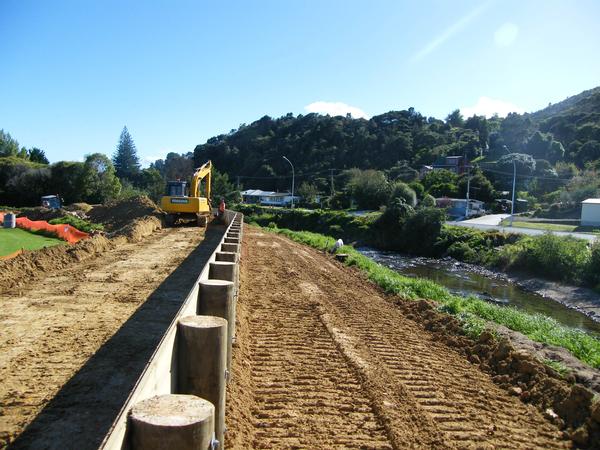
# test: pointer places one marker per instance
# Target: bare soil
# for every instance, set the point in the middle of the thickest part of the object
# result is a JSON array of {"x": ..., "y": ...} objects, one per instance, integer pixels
[
  {"x": 324, "y": 360},
  {"x": 74, "y": 340}
]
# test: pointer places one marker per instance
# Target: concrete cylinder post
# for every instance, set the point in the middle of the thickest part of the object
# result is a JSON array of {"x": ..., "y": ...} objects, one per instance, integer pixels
[
  {"x": 164, "y": 422},
  {"x": 228, "y": 240},
  {"x": 202, "y": 363},
  {"x": 235, "y": 248},
  {"x": 226, "y": 256},
  {"x": 216, "y": 298},
  {"x": 233, "y": 234},
  {"x": 221, "y": 270}
]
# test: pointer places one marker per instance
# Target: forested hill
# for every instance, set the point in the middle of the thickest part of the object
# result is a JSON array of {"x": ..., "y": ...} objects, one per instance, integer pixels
[{"x": 400, "y": 141}]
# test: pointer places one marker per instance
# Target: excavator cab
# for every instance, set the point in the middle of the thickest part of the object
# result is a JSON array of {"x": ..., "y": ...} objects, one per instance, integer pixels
[{"x": 177, "y": 188}]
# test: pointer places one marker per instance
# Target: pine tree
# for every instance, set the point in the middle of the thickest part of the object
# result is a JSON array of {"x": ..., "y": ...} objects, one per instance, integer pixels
[{"x": 125, "y": 159}]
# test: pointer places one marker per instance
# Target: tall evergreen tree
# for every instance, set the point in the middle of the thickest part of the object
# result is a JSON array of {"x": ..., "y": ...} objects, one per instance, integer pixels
[{"x": 125, "y": 159}]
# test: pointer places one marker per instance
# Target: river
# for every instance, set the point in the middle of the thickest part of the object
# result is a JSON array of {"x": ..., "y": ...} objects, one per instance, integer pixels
[{"x": 463, "y": 279}]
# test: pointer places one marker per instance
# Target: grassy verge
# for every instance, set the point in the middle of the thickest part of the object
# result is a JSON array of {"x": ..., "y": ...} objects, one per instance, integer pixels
[
  {"x": 540, "y": 226},
  {"x": 13, "y": 239},
  {"x": 472, "y": 311}
]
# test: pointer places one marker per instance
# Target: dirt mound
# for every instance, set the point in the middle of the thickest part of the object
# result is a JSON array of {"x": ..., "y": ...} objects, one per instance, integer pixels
[
  {"x": 41, "y": 213},
  {"x": 75, "y": 207},
  {"x": 30, "y": 265},
  {"x": 118, "y": 214}
]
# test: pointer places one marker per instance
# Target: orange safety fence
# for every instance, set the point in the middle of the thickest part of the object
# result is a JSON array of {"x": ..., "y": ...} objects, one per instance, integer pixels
[{"x": 65, "y": 232}]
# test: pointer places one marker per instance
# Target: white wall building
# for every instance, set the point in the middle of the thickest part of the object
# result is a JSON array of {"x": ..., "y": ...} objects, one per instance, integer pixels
[{"x": 590, "y": 212}]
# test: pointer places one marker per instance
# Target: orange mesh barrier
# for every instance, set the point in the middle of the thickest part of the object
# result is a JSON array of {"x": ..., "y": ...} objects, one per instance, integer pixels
[
  {"x": 1, "y": 218},
  {"x": 11, "y": 255},
  {"x": 63, "y": 231}
]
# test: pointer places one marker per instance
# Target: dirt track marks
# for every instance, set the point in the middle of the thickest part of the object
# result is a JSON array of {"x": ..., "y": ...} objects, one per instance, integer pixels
[
  {"x": 328, "y": 336},
  {"x": 53, "y": 326}
]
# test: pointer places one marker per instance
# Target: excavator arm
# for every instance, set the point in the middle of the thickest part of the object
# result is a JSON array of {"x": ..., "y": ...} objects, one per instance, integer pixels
[{"x": 203, "y": 172}]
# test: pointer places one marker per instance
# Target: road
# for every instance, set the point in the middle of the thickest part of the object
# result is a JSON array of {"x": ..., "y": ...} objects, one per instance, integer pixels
[
  {"x": 324, "y": 360},
  {"x": 492, "y": 222}
]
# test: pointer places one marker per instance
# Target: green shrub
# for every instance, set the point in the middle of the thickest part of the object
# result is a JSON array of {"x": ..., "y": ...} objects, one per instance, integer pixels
[
  {"x": 80, "y": 224},
  {"x": 404, "y": 192}
]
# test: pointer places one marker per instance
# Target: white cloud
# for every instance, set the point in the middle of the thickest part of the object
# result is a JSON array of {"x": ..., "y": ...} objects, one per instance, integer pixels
[
  {"x": 486, "y": 106},
  {"x": 506, "y": 35},
  {"x": 335, "y": 109},
  {"x": 449, "y": 32}
]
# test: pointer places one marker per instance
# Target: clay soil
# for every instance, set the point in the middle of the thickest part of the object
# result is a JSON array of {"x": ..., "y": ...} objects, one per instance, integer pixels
[
  {"x": 324, "y": 360},
  {"x": 73, "y": 342}
]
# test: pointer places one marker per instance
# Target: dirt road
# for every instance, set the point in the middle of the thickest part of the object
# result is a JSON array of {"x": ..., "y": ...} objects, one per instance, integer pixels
[
  {"x": 73, "y": 343},
  {"x": 323, "y": 360}
]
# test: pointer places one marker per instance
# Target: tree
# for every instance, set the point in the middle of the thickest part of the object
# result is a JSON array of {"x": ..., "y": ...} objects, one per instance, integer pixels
[
  {"x": 308, "y": 192},
  {"x": 151, "y": 181},
  {"x": 223, "y": 188},
  {"x": 67, "y": 180},
  {"x": 37, "y": 155},
  {"x": 480, "y": 187},
  {"x": 370, "y": 188},
  {"x": 455, "y": 119},
  {"x": 439, "y": 176},
  {"x": 99, "y": 180},
  {"x": 8, "y": 145},
  {"x": 404, "y": 192},
  {"x": 125, "y": 159}
]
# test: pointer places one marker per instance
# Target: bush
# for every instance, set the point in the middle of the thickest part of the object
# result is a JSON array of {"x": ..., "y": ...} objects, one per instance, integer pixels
[
  {"x": 404, "y": 192},
  {"x": 428, "y": 201},
  {"x": 80, "y": 224},
  {"x": 422, "y": 229},
  {"x": 550, "y": 256}
]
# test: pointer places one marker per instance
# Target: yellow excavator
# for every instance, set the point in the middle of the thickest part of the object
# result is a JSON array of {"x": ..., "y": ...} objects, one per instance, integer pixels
[{"x": 181, "y": 205}]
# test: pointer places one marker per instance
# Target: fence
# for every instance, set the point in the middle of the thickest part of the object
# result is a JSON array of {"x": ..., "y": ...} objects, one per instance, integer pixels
[{"x": 179, "y": 400}]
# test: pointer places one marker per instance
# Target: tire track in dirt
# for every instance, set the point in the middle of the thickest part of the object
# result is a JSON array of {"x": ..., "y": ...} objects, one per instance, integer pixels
[
  {"x": 299, "y": 390},
  {"x": 53, "y": 326},
  {"x": 422, "y": 392}
]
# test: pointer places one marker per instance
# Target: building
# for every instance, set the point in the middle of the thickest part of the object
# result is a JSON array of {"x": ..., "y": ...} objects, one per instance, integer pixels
[
  {"x": 456, "y": 164},
  {"x": 457, "y": 207},
  {"x": 590, "y": 212},
  {"x": 268, "y": 198}
]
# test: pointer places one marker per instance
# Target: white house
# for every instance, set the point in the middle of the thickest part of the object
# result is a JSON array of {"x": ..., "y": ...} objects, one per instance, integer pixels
[
  {"x": 590, "y": 212},
  {"x": 457, "y": 207},
  {"x": 268, "y": 198}
]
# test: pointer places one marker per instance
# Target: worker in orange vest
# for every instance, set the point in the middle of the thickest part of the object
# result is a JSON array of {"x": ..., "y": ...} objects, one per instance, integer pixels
[{"x": 222, "y": 209}]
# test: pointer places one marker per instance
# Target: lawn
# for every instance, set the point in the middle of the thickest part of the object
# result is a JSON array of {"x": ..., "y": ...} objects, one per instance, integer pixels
[
  {"x": 540, "y": 226},
  {"x": 13, "y": 239}
]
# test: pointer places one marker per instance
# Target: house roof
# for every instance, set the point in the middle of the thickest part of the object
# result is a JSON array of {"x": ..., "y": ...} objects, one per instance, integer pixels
[
  {"x": 592, "y": 201},
  {"x": 259, "y": 193}
]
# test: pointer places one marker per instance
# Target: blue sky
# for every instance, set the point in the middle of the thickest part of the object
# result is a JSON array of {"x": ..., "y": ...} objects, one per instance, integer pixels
[{"x": 73, "y": 73}]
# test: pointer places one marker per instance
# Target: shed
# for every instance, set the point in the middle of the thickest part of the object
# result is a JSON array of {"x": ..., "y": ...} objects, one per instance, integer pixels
[{"x": 590, "y": 212}]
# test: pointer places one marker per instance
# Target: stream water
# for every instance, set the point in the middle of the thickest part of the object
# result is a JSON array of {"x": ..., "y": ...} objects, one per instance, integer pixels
[{"x": 462, "y": 279}]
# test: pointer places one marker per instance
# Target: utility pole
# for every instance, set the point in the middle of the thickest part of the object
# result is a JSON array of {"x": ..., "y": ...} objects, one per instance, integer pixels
[
  {"x": 468, "y": 189},
  {"x": 512, "y": 206},
  {"x": 238, "y": 182},
  {"x": 331, "y": 176},
  {"x": 514, "y": 186},
  {"x": 293, "y": 178}
]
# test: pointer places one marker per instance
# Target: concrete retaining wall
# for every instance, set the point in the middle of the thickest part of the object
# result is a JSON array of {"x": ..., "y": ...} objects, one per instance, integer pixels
[{"x": 160, "y": 375}]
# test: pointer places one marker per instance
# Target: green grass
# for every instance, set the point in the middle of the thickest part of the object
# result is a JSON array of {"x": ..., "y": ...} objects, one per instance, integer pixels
[
  {"x": 540, "y": 226},
  {"x": 80, "y": 224},
  {"x": 550, "y": 226},
  {"x": 13, "y": 239},
  {"x": 471, "y": 311}
]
